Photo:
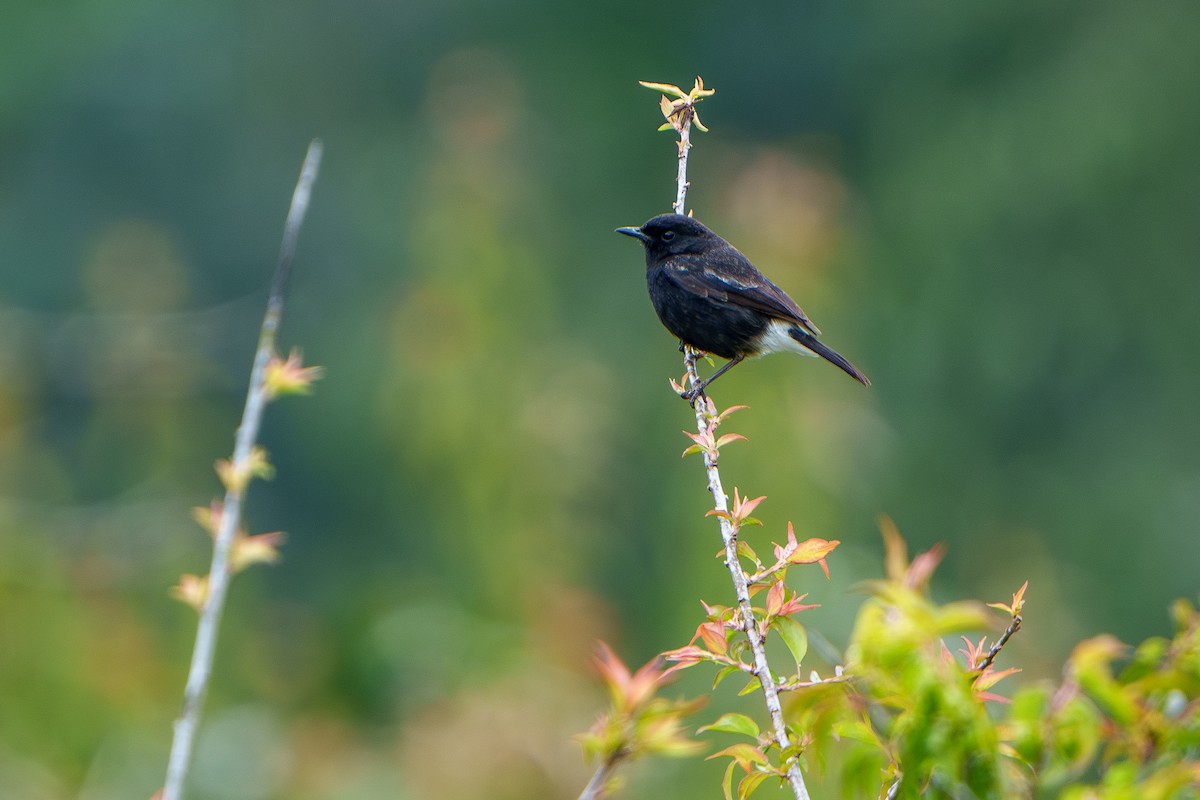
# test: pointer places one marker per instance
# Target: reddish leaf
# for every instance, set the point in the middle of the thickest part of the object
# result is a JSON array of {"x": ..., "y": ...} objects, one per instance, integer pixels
[
  {"x": 922, "y": 567},
  {"x": 721, "y": 417},
  {"x": 775, "y": 597},
  {"x": 730, "y": 437},
  {"x": 991, "y": 677},
  {"x": 812, "y": 551},
  {"x": 689, "y": 654},
  {"x": 794, "y": 605},
  {"x": 713, "y": 636}
]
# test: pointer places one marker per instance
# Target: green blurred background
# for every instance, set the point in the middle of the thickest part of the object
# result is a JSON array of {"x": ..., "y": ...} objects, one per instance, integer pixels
[{"x": 991, "y": 207}]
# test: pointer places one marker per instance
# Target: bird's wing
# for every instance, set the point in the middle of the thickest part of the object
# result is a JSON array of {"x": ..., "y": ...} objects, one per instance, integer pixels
[{"x": 730, "y": 277}]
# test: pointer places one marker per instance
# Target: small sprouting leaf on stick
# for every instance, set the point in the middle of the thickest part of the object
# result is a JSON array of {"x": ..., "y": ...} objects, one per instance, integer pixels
[
  {"x": 704, "y": 442},
  {"x": 665, "y": 88},
  {"x": 680, "y": 111},
  {"x": 974, "y": 653},
  {"x": 236, "y": 477},
  {"x": 668, "y": 110},
  {"x": 289, "y": 376},
  {"x": 732, "y": 409},
  {"x": 780, "y": 604},
  {"x": 1018, "y": 602},
  {"x": 726, "y": 438},
  {"x": 209, "y": 517},
  {"x": 262, "y": 548},
  {"x": 192, "y": 590},
  {"x": 699, "y": 92},
  {"x": 742, "y": 508}
]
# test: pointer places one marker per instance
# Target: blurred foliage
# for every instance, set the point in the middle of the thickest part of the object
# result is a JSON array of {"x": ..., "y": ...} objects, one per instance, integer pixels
[
  {"x": 910, "y": 721},
  {"x": 905, "y": 718},
  {"x": 990, "y": 207}
]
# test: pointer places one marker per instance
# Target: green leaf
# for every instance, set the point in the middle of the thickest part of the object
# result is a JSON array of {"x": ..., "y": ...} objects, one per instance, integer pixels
[
  {"x": 728, "y": 783},
  {"x": 745, "y": 550},
  {"x": 794, "y": 636},
  {"x": 750, "y": 688},
  {"x": 744, "y": 755},
  {"x": 733, "y": 723},
  {"x": 858, "y": 731},
  {"x": 750, "y": 783},
  {"x": 665, "y": 88},
  {"x": 723, "y": 674}
]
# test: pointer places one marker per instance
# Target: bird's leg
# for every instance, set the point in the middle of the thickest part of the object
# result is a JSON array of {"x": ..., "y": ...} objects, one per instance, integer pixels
[
  {"x": 682, "y": 346},
  {"x": 691, "y": 394}
]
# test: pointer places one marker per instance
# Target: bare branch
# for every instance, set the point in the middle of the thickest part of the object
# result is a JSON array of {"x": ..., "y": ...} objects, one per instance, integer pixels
[{"x": 183, "y": 743}]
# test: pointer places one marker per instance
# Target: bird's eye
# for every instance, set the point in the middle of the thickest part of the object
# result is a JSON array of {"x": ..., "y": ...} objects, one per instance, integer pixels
[{"x": 668, "y": 236}]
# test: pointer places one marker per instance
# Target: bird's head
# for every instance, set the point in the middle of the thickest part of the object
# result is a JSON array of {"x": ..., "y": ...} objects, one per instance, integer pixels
[{"x": 672, "y": 235}]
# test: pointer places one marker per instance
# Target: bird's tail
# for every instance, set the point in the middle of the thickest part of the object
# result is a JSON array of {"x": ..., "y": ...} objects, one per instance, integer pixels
[{"x": 829, "y": 354}]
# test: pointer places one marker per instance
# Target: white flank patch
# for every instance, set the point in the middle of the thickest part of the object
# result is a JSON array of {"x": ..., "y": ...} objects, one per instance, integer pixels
[{"x": 776, "y": 338}]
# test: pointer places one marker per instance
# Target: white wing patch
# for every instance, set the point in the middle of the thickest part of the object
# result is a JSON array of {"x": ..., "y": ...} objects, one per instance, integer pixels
[
  {"x": 728, "y": 280},
  {"x": 776, "y": 338}
]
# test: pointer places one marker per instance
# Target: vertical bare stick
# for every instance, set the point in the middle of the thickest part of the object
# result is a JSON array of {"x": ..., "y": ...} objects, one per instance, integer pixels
[
  {"x": 680, "y": 114},
  {"x": 183, "y": 743},
  {"x": 685, "y": 145}
]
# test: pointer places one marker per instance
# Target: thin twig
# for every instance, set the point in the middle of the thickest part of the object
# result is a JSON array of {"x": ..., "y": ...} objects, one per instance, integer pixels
[
  {"x": 596, "y": 786},
  {"x": 183, "y": 743},
  {"x": 990, "y": 658},
  {"x": 685, "y": 145}
]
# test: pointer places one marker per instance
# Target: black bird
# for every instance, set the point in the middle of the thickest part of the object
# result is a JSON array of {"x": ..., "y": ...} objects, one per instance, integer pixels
[{"x": 712, "y": 298}]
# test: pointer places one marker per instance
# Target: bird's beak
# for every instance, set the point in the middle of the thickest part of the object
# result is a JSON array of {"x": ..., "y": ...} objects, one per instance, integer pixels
[{"x": 634, "y": 232}]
